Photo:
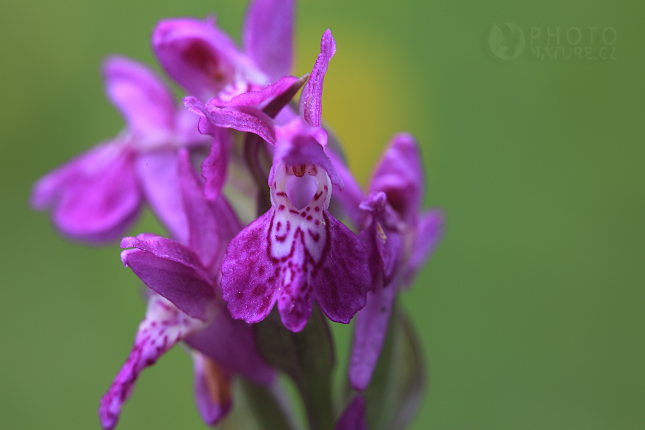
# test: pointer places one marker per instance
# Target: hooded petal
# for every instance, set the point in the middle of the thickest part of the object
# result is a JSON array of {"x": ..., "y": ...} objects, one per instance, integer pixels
[
  {"x": 172, "y": 270},
  {"x": 353, "y": 417},
  {"x": 199, "y": 57},
  {"x": 400, "y": 176},
  {"x": 429, "y": 232},
  {"x": 311, "y": 97},
  {"x": 268, "y": 36},
  {"x": 162, "y": 328},
  {"x": 157, "y": 172},
  {"x": 141, "y": 96},
  {"x": 94, "y": 197},
  {"x": 231, "y": 344},
  {"x": 212, "y": 389}
]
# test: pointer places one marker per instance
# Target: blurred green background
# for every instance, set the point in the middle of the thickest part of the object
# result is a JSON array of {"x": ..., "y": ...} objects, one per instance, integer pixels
[{"x": 530, "y": 312}]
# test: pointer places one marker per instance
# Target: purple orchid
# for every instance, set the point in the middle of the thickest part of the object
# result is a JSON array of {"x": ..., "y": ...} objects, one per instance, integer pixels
[
  {"x": 96, "y": 196},
  {"x": 300, "y": 252},
  {"x": 399, "y": 239},
  {"x": 185, "y": 306}
]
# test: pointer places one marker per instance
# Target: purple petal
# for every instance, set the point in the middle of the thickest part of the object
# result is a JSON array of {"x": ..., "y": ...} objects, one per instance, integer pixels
[
  {"x": 400, "y": 176},
  {"x": 95, "y": 197},
  {"x": 157, "y": 172},
  {"x": 141, "y": 96},
  {"x": 268, "y": 36},
  {"x": 212, "y": 389},
  {"x": 214, "y": 167},
  {"x": 231, "y": 344},
  {"x": 241, "y": 118},
  {"x": 250, "y": 280},
  {"x": 173, "y": 271},
  {"x": 257, "y": 98},
  {"x": 369, "y": 335},
  {"x": 311, "y": 97},
  {"x": 198, "y": 56},
  {"x": 429, "y": 232},
  {"x": 162, "y": 328},
  {"x": 353, "y": 417},
  {"x": 343, "y": 280}
]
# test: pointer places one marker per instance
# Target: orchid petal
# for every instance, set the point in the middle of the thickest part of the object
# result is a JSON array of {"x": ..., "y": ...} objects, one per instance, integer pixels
[
  {"x": 157, "y": 172},
  {"x": 256, "y": 98},
  {"x": 268, "y": 35},
  {"x": 311, "y": 97},
  {"x": 353, "y": 417},
  {"x": 163, "y": 326},
  {"x": 212, "y": 389},
  {"x": 370, "y": 330},
  {"x": 400, "y": 176},
  {"x": 351, "y": 196},
  {"x": 141, "y": 96},
  {"x": 232, "y": 344},
  {"x": 241, "y": 118},
  {"x": 94, "y": 197},
  {"x": 173, "y": 271},
  {"x": 196, "y": 55},
  {"x": 250, "y": 281},
  {"x": 429, "y": 232},
  {"x": 344, "y": 279}
]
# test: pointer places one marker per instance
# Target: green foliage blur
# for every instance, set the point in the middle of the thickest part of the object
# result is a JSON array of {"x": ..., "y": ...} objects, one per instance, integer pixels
[{"x": 531, "y": 310}]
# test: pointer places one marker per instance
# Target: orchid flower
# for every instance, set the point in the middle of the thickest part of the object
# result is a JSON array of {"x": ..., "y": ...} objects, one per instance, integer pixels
[
  {"x": 96, "y": 196},
  {"x": 297, "y": 252},
  {"x": 399, "y": 239},
  {"x": 185, "y": 306}
]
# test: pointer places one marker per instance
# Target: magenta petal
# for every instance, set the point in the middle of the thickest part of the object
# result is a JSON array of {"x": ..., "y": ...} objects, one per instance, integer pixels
[
  {"x": 353, "y": 417},
  {"x": 241, "y": 118},
  {"x": 249, "y": 279},
  {"x": 311, "y": 97},
  {"x": 214, "y": 167},
  {"x": 231, "y": 344},
  {"x": 173, "y": 271},
  {"x": 140, "y": 95},
  {"x": 400, "y": 176},
  {"x": 369, "y": 335},
  {"x": 94, "y": 197},
  {"x": 428, "y": 235},
  {"x": 268, "y": 36},
  {"x": 157, "y": 172},
  {"x": 213, "y": 403},
  {"x": 194, "y": 53},
  {"x": 343, "y": 280},
  {"x": 257, "y": 98},
  {"x": 162, "y": 328}
]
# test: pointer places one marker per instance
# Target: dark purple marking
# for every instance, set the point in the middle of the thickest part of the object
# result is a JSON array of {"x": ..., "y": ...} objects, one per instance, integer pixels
[
  {"x": 309, "y": 218},
  {"x": 317, "y": 209},
  {"x": 281, "y": 208},
  {"x": 317, "y": 196},
  {"x": 281, "y": 194},
  {"x": 294, "y": 212}
]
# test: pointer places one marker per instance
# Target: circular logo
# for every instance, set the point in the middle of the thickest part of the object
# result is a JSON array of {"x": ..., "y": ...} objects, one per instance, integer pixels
[{"x": 506, "y": 41}]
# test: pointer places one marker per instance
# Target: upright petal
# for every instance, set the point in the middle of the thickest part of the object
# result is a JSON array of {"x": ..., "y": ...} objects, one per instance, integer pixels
[
  {"x": 141, "y": 96},
  {"x": 212, "y": 389},
  {"x": 311, "y": 97},
  {"x": 231, "y": 344},
  {"x": 400, "y": 176},
  {"x": 163, "y": 326},
  {"x": 95, "y": 197},
  {"x": 157, "y": 172},
  {"x": 353, "y": 417},
  {"x": 173, "y": 271},
  {"x": 268, "y": 36}
]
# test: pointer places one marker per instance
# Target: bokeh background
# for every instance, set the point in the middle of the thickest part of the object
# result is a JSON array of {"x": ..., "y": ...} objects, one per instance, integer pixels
[{"x": 531, "y": 310}]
